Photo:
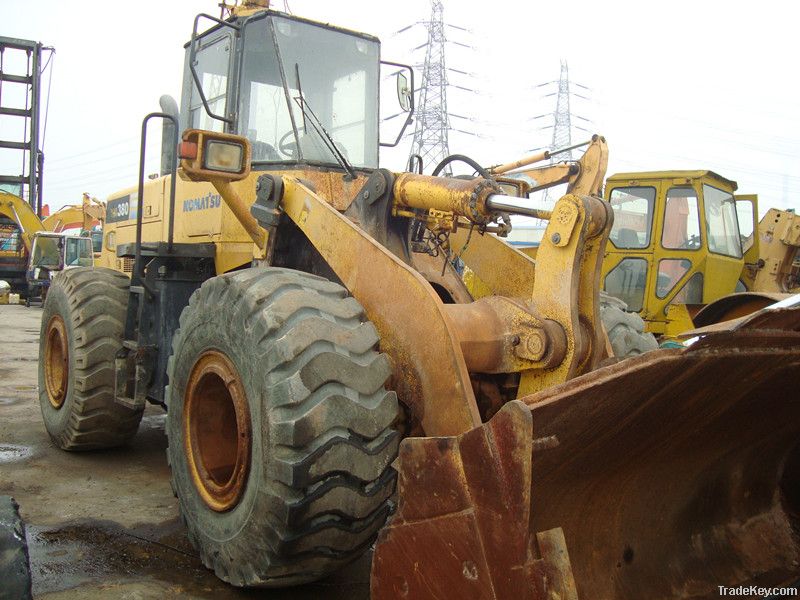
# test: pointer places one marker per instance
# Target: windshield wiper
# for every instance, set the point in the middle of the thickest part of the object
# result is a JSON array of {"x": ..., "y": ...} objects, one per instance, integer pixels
[{"x": 316, "y": 124}]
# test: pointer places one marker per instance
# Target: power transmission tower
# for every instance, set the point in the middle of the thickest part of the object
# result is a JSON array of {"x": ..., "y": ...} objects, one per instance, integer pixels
[
  {"x": 432, "y": 125},
  {"x": 562, "y": 126},
  {"x": 431, "y": 140},
  {"x": 562, "y": 117}
]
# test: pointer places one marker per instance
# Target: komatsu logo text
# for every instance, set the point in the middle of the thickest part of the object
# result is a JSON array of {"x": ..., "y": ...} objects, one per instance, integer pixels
[{"x": 203, "y": 202}]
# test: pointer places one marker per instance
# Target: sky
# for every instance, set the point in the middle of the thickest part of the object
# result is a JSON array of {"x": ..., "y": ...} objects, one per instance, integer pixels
[{"x": 678, "y": 85}]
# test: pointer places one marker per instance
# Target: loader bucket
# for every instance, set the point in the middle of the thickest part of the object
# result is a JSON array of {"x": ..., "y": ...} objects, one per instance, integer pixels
[{"x": 670, "y": 474}]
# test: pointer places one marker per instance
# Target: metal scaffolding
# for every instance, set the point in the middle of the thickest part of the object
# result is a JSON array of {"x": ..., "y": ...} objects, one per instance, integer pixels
[{"x": 16, "y": 83}]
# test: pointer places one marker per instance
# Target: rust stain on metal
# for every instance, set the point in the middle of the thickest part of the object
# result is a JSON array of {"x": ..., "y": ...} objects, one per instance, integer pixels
[
  {"x": 503, "y": 335},
  {"x": 687, "y": 474},
  {"x": 430, "y": 268},
  {"x": 461, "y": 530}
]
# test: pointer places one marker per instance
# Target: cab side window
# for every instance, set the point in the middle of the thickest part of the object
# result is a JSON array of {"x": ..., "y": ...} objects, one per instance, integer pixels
[
  {"x": 681, "y": 220},
  {"x": 212, "y": 63},
  {"x": 633, "y": 216}
]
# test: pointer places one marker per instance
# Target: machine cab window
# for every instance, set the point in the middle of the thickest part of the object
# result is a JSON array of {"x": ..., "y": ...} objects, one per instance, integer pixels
[
  {"x": 681, "y": 220},
  {"x": 309, "y": 93},
  {"x": 633, "y": 216},
  {"x": 722, "y": 224},
  {"x": 303, "y": 92},
  {"x": 78, "y": 252},
  {"x": 212, "y": 64}
]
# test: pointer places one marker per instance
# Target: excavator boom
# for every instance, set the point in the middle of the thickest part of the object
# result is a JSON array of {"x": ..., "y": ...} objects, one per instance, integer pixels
[{"x": 84, "y": 216}]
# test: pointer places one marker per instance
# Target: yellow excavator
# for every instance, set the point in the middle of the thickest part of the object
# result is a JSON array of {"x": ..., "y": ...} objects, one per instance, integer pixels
[
  {"x": 31, "y": 253},
  {"x": 18, "y": 226},
  {"x": 87, "y": 218},
  {"x": 330, "y": 384}
]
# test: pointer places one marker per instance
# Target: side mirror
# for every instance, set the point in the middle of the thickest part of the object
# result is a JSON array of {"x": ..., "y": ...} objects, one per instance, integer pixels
[
  {"x": 404, "y": 93},
  {"x": 404, "y": 85}
]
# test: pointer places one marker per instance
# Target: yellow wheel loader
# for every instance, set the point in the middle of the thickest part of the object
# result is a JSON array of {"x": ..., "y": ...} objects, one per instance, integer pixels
[{"x": 330, "y": 384}]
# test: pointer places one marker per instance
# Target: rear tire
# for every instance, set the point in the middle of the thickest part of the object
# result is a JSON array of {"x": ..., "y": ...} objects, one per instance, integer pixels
[
  {"x": 294, "y": 478},
  {"x": 625, "y": 329},
  {"x": 83, "y": 320}
]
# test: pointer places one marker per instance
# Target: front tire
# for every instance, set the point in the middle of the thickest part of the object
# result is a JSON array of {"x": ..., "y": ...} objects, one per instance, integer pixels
[
  {"x": 281, "y": 432},
  {"x": 83, "y": 320}
]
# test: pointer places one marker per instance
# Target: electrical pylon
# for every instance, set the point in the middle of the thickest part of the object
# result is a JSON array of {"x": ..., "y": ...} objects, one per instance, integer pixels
[{"x": 432, "y": 119}]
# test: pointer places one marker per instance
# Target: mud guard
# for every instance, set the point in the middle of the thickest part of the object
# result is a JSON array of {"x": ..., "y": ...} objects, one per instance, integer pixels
[{"x": 670, "y": 474}]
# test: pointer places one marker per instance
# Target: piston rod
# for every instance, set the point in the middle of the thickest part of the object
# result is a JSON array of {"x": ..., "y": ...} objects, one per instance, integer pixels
[{"x": 506, "y": 204}]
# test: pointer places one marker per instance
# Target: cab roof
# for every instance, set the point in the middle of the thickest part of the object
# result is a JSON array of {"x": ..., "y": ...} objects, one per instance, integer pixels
[
  {"x": 659, "y": 175},
  {"x": 263, "y": 13}
]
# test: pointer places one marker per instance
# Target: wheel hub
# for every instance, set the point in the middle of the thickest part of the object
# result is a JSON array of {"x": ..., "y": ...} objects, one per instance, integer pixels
[
  {"x": 56, "y": 361},
  {"x": 216, "y": 431}
]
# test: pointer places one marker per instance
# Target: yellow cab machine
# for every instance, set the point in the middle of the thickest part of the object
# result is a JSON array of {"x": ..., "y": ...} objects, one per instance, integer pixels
[{"x": 686, "y": 250}]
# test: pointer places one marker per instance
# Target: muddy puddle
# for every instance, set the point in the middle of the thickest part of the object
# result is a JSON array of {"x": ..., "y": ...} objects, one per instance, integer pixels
[
  {"x": 84, "y": 553},
  {"x": 71, "y": 555},
  {"x": 10, "y": 453}
]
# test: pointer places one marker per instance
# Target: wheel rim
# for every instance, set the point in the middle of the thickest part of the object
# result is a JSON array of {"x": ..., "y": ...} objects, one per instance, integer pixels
[
  {"x": 56, "y": 362},
  {"x": 216, "y": 430}
]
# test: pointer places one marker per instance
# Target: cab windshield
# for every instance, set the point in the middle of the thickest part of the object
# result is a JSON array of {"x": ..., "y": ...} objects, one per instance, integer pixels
[
  {"x": 308, "y": 92},
  {"x": 47, "y": 252}
]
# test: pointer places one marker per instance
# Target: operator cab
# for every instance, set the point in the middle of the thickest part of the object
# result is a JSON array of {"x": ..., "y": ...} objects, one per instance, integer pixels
[
  {"x": 56, "y": 251},
  {"x": 675, "y": 240},
  {"x": 299, "y": 91}
]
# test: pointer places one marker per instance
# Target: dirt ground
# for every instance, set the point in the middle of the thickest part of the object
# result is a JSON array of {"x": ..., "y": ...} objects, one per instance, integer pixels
[{"x": 105, "y": 524}]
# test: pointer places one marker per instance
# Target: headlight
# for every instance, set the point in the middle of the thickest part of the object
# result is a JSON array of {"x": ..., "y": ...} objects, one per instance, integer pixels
[{"x": 223, "y": 156}]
